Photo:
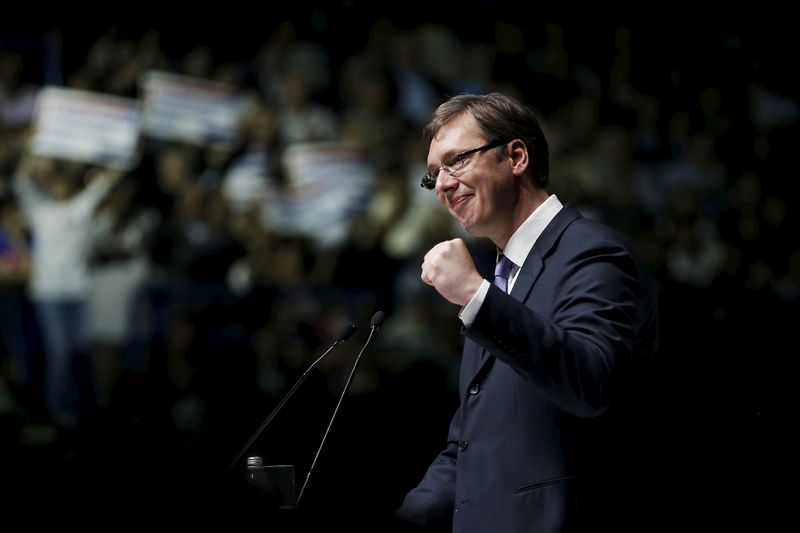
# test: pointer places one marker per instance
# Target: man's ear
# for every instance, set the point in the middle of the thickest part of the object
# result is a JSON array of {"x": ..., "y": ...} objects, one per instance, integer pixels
[{"x": 518, "y": 153}]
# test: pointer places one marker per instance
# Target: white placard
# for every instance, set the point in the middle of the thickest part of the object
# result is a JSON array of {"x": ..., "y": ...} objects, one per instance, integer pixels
[
  {"x": 329, "y": 184},
  {"x": 87, "y": 127},
  {"x": 188, "y": 109}
]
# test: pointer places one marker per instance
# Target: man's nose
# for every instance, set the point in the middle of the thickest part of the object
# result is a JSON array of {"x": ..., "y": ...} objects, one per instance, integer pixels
[{"x": 445, "y": 181}]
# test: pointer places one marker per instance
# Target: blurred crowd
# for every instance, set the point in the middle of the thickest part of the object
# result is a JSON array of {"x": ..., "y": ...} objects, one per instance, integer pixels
[{"x": 169, "y": 290}]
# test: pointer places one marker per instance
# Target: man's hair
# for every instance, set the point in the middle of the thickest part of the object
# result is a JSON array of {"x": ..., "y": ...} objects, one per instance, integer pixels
[{"x": 500, "y": 118}]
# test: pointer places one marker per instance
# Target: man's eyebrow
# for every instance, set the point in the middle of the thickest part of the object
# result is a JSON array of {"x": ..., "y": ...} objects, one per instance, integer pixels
[{"x": 446, "y": 158}]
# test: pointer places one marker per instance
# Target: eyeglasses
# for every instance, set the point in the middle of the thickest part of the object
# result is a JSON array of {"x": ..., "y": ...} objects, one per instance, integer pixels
[{"x": 456, "y": 164}]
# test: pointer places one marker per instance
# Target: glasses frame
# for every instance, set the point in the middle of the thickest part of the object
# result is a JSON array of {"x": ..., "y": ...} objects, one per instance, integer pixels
[{"x": 429, "y": 182}]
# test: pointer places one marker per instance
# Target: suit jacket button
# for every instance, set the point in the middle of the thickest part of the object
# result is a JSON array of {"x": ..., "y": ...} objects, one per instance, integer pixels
[
  {"x": 474, "y": 389},
  {"x": 463, "y": 445}
]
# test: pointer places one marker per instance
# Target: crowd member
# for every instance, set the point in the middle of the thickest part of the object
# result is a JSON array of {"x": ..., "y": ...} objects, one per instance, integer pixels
[
  {"x": 17, "y": 368},
  {"x": 59, "y": 210},
  {"x": 118, "y": 269}
]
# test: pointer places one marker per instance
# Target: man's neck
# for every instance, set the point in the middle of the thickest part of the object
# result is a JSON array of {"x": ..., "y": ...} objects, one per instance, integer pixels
[{"x": 529, "y": 201}]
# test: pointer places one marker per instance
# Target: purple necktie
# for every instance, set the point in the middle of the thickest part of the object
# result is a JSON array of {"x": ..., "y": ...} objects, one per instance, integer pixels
[{"x": 501, "y": 272}]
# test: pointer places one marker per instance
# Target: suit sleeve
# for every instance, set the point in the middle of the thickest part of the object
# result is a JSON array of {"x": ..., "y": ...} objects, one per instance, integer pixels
[
  {"x": 431, "y": 502},
  {"x": 576, "y": 345}
]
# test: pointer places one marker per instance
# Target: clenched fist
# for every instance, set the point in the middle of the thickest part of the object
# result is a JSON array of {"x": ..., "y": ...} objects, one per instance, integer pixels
[{"x": 449, "y": 268}]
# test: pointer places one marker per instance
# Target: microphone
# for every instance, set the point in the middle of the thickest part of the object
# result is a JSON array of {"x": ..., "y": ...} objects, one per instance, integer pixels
[
  {"x": 377, "y": 321},
  {"x": 374, "y": 325},
  {"x": 346, "y": 332}
]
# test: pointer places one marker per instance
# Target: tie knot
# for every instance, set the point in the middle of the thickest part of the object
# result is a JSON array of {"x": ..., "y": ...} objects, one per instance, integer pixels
[{"x": 501, "y": 272}]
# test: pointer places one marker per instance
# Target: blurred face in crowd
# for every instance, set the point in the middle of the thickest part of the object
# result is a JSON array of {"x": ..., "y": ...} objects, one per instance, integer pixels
[
  {"x": 172, "y": 171},
  {"x": 62, "y": 188},
  {"x": 483, "y": 194}
]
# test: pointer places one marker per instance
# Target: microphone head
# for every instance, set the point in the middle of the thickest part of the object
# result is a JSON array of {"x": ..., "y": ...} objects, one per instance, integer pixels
[
  {"x": 377, "y": 320},
  {"x": 347, "y": 332}
]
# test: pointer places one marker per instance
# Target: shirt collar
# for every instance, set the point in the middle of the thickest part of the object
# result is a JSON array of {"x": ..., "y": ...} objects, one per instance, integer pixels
[{"x": 523, "y": 239}]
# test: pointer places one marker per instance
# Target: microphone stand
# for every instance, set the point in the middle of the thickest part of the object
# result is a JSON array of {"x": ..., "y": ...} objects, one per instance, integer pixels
[
  {"x": 375, "y": 324},
  {"x": 346, "y": 333}
]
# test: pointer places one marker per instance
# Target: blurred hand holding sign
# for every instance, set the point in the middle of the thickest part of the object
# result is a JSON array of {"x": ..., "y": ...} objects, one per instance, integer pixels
[
  {"x": 192, "y": 110},
  {"x": 86, "y": 127}
]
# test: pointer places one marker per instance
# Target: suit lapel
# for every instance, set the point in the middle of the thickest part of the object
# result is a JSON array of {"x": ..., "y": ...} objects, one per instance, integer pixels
[
  {"x": 541, "y": 249},
  {"x": 534, "y": 263}
]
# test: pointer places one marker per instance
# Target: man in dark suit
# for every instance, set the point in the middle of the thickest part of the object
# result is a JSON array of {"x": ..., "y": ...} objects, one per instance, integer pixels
[{"x": 552, "y": 347}]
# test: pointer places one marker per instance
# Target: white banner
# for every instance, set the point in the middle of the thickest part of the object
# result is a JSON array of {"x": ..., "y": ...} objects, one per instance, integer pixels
[
  {"x": 188, "y": 109},
  {"x": 329, "y": 184},
  {"x": 87, "y": 127}
]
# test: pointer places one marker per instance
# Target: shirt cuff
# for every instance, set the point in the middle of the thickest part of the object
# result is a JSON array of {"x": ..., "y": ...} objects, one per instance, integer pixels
[{"x": 470, "y": 311}]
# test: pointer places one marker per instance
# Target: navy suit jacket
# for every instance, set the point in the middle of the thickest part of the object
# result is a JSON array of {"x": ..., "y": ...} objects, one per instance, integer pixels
[{"x": 541, "y": 369}]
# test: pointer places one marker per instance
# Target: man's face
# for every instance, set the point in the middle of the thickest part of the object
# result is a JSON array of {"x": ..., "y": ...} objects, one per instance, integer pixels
[{"x": 482, "y": 194}]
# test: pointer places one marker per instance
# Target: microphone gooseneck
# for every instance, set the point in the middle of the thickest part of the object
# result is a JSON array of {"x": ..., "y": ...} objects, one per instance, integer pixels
[
  {"x": 345, "y": 334},
  {"x": 375, "y": 324}
]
